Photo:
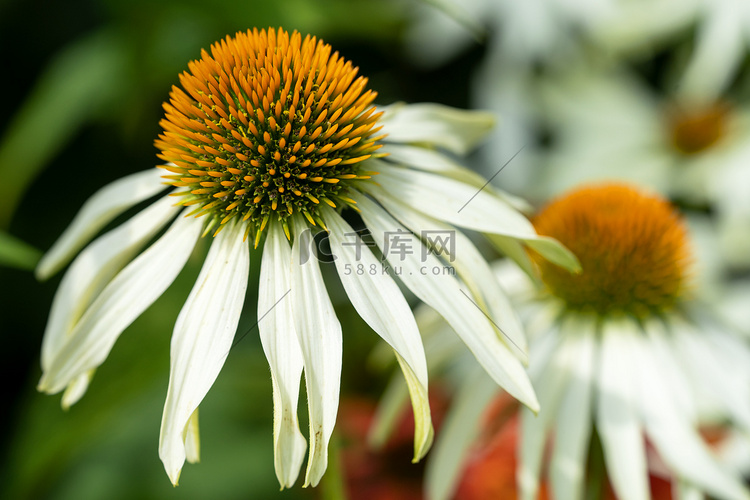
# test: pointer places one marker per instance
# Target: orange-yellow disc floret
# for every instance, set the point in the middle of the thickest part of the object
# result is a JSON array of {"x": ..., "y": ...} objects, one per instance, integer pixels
[
  {"x": 693, "y": 131},
  {"x": 267, "y": 125},
  {"x": 632, "y": 247}
]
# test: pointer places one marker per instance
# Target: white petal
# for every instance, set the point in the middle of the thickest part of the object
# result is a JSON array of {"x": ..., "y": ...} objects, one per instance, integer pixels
[
  {"x": 391, "y": 406},
  {"x": 721, "y": 375},
  {"x": 455, "y": 130},
  {"x": 679, "y": 445},
  {"x": 514, "y": 250},
  {"x": 106, "y": 204},
  {"x": 452, "y": 201},
  {"x": 202, "y": 339},
  {"x": 76, "y": 389},
  {"x": 568, "y": 464},
  {"x": 687, "y": 491},
  {"x": 280, "y": 344},
  {"x": 193, "y": 440},
  {"x": 458, "y": 433},
  {"x": 443, "y": 293},
  {"x": 319, "y": 334},
  {"x": 465, "y": 206},
  {"x": 617, "y": 418},
  {"x": 433, "y": 161},
  {"x": 662, "y": 343},
  {"x": 441, "y": 346},
  {"x": 718, "y": 52},
  {"x": 471, "y": 268},
  {"x": 550, "y": 371},
  {"x": 135, "y": 288},
  {"x": 382, "y": 305},
  {"x": 94, "y": 268}
]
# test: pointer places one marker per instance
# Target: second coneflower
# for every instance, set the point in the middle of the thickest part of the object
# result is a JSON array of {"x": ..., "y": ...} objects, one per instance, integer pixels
[
  {"x": 623, "y": 355},
  {"x": 272, "y": 135}
]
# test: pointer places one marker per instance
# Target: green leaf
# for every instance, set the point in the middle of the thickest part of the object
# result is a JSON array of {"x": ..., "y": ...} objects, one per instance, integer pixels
[
  {"x": 17, "y": 253},
  {"x": 75, "y": 85}
]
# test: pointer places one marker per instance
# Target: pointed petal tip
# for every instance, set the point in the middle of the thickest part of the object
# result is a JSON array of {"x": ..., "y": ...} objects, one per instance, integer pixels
[
  {"x": 533, "y": 406},
  {"x": 174, "y": 477},
  {"x": 41, "y": 273},
  {"x": 43, "y": 385},
  {"x": 421, "y": 448}
]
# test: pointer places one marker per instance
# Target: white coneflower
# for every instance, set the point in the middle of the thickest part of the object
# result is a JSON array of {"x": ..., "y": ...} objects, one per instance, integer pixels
[
  {"x": 269, "y": 136},
  {"x": 607, "y": 127},
  {"x": 621, "y": 350},
  {"x": 722, "y": 38}
]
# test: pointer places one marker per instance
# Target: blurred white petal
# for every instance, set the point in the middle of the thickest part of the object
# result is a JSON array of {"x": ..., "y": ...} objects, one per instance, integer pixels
[
  {"x": 550, "y": 371},
  {"x": 574, "y": 417},
  {"x": 678, "y": 444},
  {"x": 719, "y": 50},
  {"x": 458, "y": 432},
  {"x": 617, "y": 418}
]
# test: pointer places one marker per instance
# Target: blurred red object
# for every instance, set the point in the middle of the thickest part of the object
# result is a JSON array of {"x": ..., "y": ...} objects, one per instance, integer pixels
[
  {"x": 385, "y": 474},
  {"x": 490, "y": 471}
]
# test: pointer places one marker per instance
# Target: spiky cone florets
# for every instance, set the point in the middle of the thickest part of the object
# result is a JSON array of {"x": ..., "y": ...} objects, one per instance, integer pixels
[
  {"x": 267, "y": 125},
  {"x": 632, "y": 247}
]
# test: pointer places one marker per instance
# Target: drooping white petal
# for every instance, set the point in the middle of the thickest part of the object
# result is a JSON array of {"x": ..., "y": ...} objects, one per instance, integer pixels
[
  {"x": 729, "y": 346},
  {"x": 201, "y": 341},
  {"x": 677, "y": 442},
  {"x": 94, "y": 268},
  {"x": 661, "y": 342},
  {"x": 453, "y": 201},
  {"x": 568, "y": 464},
  {"x": 471, "y": 268},
  {"x": 76, "y": 389},
  {"x": 617, "y": 415},
  {"x": 193, "y": 440},
  {"x": 106, "y": 204},
  {"x": 687, "y": 491},
  {"x": 319, "y": 334},
  {"x": 280, "y": 344},
  {"x": 135, "y": 288},
  {"x": 455, "y": 130},
  {"x": 457, "y": 434},
  {"x": 719, "y": 50},
  {"x": 433, "y": 161},
  {"x": 514, "y": 250},
  {"x": 379, "y": 302},
  {"x": 466, "y": 206},
  {"x": 723, "y": 372},
  {"x": 550, "y": 370},
  {"x": 441, "y": 344},
  {"x": 443, "y": 293}
]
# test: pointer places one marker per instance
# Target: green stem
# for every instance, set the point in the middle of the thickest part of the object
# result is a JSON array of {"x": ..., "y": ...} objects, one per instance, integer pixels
[
  {"x": 332, "y": 485},
  {"x": 595, "y": 471}
]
